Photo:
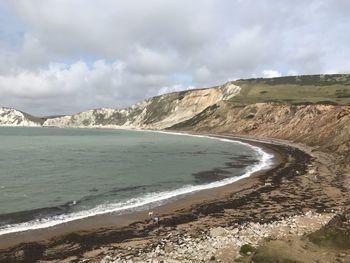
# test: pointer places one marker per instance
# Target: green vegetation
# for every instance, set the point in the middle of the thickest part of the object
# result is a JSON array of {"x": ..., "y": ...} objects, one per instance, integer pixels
[
  {"x": 33, "y": 118},
  {"x": 275, "y": 252},
  {"x": 309, "y": 89},
  {"x": 247, "y": 249},
  {"x": 272, "y": 259},
  {"x": 336, "y": 234}
]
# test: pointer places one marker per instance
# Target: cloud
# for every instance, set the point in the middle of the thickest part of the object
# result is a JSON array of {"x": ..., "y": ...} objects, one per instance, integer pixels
[
  {"x": 173, "y": 88},
  {"x": 107, "y": 84},
  {"x": 63, "y": 56},
  {"x": 202, "y": 74},
  {"x": 271, "y": 74}
]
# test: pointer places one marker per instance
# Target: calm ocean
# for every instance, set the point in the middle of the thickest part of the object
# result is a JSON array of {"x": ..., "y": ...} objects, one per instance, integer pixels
[{"x": 50, "y": 176}]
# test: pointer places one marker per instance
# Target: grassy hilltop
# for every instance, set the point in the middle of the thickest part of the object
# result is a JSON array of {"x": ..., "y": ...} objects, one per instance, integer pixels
[{"x": 308, "y": 89}]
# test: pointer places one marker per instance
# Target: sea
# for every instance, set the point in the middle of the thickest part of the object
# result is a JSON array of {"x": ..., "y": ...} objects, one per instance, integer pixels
[{"x": 50, "y": 176}]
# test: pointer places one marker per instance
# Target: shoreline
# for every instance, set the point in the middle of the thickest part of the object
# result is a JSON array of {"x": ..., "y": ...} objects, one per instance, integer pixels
[
  {"x": 267, "y": 160},
  {"x": 200, "y": 206},
  {"x": 197, "y": 196}
]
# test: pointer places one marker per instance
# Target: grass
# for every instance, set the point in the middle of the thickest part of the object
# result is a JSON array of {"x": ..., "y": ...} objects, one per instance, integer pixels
[
  {"x": 272, "y": 259},
  {"x": 336, "y": 234},
  {"x": 311, "y": 89},
  {"x": 275, "y": 252},
  {"x": 247, "y": 249}
]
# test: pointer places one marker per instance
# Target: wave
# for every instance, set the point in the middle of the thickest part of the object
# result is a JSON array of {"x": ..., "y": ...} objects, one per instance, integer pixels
[
  {"x": 49, "y": 212},
  {"x": 150, "y": 199}
]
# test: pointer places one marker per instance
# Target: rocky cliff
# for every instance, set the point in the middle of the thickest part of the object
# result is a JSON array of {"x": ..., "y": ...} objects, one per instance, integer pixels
[
  {"x": 12, "y": 117},
  {"x": 155, "y": 113},
  {"x": 309, "y": 109},
  {"x": 326, "y": 126},
  {"x": 313, "y": 110}
]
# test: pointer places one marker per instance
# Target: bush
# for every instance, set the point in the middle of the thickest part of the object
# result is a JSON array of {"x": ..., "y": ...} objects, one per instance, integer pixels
[{"x": 247, "y": 249}]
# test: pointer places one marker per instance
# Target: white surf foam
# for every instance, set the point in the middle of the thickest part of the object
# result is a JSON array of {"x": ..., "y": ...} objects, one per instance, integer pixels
[{"x": 148, "y": 199}]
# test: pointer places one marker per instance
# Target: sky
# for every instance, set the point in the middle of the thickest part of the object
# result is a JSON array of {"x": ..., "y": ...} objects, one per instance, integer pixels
[{"x": 67, "y": 56}]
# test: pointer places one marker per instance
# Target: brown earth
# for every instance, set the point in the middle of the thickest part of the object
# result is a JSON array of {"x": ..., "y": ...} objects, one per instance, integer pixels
[
  {"x": 314, "y": 177},
  {"x": 301, "y": 182},
  {"x": 324, "y": 127}
]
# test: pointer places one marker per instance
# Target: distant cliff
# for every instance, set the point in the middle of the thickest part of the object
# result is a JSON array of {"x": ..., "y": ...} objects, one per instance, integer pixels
[
  {"x": 309, "y": 109},
  {"x": 12, "y": 117},
  {"x": 154, "y": 113},
  {"x": 325, "y": 126}
]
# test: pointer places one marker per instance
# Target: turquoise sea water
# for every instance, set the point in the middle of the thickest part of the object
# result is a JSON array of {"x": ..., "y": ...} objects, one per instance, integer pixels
[{"x": 50, "y": 175}]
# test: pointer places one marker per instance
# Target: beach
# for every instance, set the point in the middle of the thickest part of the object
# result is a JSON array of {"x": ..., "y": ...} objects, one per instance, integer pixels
[{"x": 300, "y": 182}]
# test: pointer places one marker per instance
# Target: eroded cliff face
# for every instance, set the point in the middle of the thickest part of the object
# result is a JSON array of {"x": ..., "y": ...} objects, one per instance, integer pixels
[
  {"x": 231, "y": 109},
  {"x": 155, "y": 113},
  {"x": 325, "y": 126},
  {"x": 12, "y": 117}
]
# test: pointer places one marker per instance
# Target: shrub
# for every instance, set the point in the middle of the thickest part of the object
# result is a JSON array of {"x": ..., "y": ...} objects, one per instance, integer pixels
[{"x": 247, "y": 249}]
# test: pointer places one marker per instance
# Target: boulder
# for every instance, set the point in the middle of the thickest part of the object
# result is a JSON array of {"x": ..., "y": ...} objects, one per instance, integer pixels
[{"x": 218, "y": 231}]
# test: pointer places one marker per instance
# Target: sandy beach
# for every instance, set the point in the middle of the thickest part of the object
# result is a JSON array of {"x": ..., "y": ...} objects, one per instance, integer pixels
[{"x": 300, "y": 181}]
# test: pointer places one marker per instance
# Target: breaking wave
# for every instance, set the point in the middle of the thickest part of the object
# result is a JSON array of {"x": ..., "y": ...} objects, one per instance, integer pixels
[{"x": 147, "y": 200}]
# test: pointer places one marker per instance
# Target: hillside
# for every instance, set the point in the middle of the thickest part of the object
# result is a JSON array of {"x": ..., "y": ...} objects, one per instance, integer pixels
[
  {"x": 12, "y": 117},
  {"x": 326, "y": 126},
  {"x": 178, "y": 107},
  {"x": 311, "y": 110},
  {"x": 308, "y": 89},
  {"x": 154, "y": 113}
]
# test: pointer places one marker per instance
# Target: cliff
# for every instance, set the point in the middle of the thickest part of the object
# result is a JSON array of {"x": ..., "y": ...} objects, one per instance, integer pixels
[
  {"x": 12, "y": 117},
  {"x": 309, "y": 109},
  {"x": 313, "y": 110},
  {"x": 325, "y": 126},
  {"x": 155, "y": 113}
]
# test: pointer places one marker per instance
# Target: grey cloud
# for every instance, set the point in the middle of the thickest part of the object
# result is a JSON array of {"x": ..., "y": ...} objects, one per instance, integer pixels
[{"x": 82, "y": 54}]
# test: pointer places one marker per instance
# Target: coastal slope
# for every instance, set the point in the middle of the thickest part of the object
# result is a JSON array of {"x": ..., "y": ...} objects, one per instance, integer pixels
[
  {"x": 154, "y": 113},
  {"x": 305, "y": 119},
  {"x": 12, "y": 117}
]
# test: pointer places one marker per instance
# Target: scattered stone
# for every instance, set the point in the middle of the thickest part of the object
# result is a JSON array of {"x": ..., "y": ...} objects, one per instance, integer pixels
[
  {"x": 106, "y": 259},
  {"x": 181, "y": 247},
  {"x": 218, "y": 231}
]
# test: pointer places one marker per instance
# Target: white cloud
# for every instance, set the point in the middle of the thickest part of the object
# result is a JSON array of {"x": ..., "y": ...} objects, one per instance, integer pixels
[
  {"x": 202, "y": 74},
  {"x": 292, "y": 72},
  {"x": 145, "y": 60},
  {"x": 173, "y": 88},
  {"x": 83, "y": 53},
  {"x": 78, "y": 84},
  {"x": 271, "y": 74}
]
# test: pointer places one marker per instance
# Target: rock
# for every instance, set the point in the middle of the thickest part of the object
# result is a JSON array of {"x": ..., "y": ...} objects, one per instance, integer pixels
[
  {"x": 235, "y": 231},
  {"x": 218, "y": 231},
  {"x": 173, "y": 261},
  {"x": 106, "y": 259}
]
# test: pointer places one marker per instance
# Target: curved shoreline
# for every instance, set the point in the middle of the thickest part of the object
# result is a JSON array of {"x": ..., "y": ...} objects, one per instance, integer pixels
[
  {"x": 265, "y": 161},
  {"x": 243, "y": 200}
]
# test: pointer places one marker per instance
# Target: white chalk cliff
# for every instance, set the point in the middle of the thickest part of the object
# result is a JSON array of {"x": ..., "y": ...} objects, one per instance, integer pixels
[
  {"x": 12, "y": 117},
  {"x": 154, "y": 113}
]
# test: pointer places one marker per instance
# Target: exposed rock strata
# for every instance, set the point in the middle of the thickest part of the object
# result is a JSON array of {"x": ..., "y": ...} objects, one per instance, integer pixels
[
  {"x": 155, "y": 113},
  {"x": 12, "y": 117},
  {"x": 309, "y": 184},
  {"x": 324, "y": 126}
]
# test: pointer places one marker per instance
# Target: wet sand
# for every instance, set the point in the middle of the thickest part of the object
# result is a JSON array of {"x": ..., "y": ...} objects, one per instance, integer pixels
[{"x": 283, "y": 190}]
